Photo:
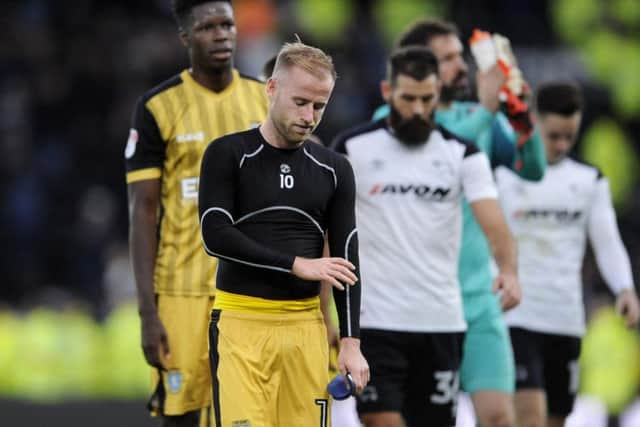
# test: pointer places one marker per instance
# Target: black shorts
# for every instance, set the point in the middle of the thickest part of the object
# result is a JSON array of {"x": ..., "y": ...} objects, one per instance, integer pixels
[
  {"x": 416, "y": 374},
  {"x": 548, "y": 362}
]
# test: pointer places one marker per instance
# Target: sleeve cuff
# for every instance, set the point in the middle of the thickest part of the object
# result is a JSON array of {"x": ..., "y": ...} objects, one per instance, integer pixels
[{"x": 143, "y": 174}]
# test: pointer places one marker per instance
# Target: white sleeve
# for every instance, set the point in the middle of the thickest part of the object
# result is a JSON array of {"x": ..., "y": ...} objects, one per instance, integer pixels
[
  {"x": 611, "y": 255},
  {"x": 477, "y": 180}
]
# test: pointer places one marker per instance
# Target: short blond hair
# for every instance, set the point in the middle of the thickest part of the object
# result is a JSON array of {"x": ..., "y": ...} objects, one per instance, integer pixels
[{"x": 309, "y": 58}]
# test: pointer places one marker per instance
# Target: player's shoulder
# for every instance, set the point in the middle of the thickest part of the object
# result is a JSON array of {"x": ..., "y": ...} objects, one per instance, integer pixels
[
  {"x": 237, "y": 144},
  {"x": 468, "y": 147},
  {"x": 468, "y": 106},
  {"x": 250, "y": 79},
  {"x": 324, "y": 155},
  {"x": 586, "y": 169},
  {"x": 161, "y": 88},
  {"x": 339, "y": 143}
]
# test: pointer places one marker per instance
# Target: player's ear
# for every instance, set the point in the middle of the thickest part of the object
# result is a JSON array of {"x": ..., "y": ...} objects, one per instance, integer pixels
[
  {"x": 271, "y": 86},
  {"x": 385, "y": 90},
  {"x": 184, "y": 37}
]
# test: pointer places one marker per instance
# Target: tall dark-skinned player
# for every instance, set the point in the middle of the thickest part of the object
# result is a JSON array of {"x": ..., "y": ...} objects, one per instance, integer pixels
[{"x": 171, "y": 127}]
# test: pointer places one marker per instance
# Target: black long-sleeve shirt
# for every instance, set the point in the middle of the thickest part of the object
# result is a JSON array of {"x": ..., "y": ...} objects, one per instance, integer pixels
[{"x": 261, "y": 206}]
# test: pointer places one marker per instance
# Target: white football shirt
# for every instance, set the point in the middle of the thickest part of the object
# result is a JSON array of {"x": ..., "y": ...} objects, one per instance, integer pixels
[
  {"x": 551, "y": 220},
  {"x": 409, "y": 219}
]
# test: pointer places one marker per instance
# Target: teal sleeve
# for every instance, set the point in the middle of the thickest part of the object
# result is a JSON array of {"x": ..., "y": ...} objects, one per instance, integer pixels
[
  {"x": 380, "y": 113},
  {"x": 530, "y": 161},
  {"x": 473, "y": 125}
]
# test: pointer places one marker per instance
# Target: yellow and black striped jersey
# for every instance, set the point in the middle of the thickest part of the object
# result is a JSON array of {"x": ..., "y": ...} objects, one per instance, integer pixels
[{"x": 171, "y": 127}]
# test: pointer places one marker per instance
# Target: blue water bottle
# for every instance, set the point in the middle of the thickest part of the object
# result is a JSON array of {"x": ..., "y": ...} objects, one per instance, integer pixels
[{"x": 340, "y": 389}]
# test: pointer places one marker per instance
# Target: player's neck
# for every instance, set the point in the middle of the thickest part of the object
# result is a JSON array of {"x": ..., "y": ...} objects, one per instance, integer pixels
[
  {"x": 274, "y": 138},
  {"x": 216, "y": 80}
]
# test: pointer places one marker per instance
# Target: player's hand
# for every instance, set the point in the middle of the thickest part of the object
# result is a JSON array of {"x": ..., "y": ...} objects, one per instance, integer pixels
[
  {"x": 489, "y": 84},
  {"x": 627, "y": 305},
  {"x": 350, "y": 359},
  {"x": 155, "y": 344},
  {"x": 508, "y": 287},
  {"x": 331, "y": 270}
]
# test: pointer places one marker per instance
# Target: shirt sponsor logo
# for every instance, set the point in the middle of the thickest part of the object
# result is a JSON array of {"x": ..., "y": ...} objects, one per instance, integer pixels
[
  {"x": 190, "y": 187},
  {"x": 241, "y": 423},
  {"x": 190, "y": 137},
  {"x": 559, "y": 215},
  {"x": 419, "y": 190},
  {"x": 174, "y": 381},
  {"x": 130, "y": 149}
]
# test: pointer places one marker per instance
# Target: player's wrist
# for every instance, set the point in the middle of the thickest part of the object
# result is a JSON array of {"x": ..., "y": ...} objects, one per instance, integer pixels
[
  {"x": 492, "y": 106},
  {"x": 352, "y": 342},
  {"x": 296, "y": 265},
  {"x": 626, "y": 291},
  {"x": 509, "y": 271}
]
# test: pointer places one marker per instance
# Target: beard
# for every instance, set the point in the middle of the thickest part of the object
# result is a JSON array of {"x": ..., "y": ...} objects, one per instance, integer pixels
[
  {"x": 413, "y": 131},
  {"x": 456, "y": 90}
]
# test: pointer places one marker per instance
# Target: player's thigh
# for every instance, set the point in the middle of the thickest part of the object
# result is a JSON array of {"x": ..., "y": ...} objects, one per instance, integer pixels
[
  {"x": 303, "y": 399},
  {"x": 387, "y": 353},
  {"x": 561, "y": 373},
  {"x": 487, "y": 362},
  {"x": 530, "y": 399},
  {"x": 531, "y": 408},
  {"x": 187, "y": 381},
  {"x": 382, "y": 419},
  {"x": 528, "y": 354},
  {"x": 244, "y": 357},
  {"x": 493, "y": 408},
  {"x": 435, "y": 380}
]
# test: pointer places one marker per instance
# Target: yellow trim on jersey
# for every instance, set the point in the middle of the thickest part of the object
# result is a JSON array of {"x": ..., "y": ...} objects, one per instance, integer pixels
[
  {"x": 142, "y": 174},
  {"x": 236, "y": 302}
]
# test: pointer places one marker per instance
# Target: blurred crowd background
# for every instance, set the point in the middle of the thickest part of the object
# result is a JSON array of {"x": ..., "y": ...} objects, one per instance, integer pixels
[{"x": 71, "y": 71}]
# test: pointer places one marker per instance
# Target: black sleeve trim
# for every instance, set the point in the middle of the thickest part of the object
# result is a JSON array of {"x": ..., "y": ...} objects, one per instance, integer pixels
[{"x": 343, "y": 242}]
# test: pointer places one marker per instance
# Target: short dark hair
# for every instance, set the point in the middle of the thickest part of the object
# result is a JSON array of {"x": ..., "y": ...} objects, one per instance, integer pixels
[
  {"x": 562, "y": 98},
  {"x": 423, "y": 30},
  {"x": 267, "y": 68},
  {"x": 414, "y": 61},
  {"x": 182, "y": 9}
]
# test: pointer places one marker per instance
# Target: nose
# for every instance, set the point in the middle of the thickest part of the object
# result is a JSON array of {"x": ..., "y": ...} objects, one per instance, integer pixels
[
  {"x": 562, "y": 145},
  {"x": 220, "y": 33},
  {"x": 417, "y": 107},
  {"x": 307, "y": 113}
]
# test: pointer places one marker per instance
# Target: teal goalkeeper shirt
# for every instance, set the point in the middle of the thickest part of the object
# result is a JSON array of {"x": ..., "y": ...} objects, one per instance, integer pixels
[{"x": 493, "y": 134}]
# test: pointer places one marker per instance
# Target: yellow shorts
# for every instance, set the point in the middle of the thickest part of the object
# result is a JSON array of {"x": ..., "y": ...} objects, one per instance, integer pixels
[
  {"x": 270, "y": 369},
  {"x": 187, "y": 380}
]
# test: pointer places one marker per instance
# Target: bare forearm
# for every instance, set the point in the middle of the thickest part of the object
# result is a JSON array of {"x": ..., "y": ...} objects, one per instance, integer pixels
[
  {"x": 501, "y": 241},
  {"x": 143, "y": 244},
  {"x": 143, "y": 240},
  {"x": 505, "y": 252}
]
